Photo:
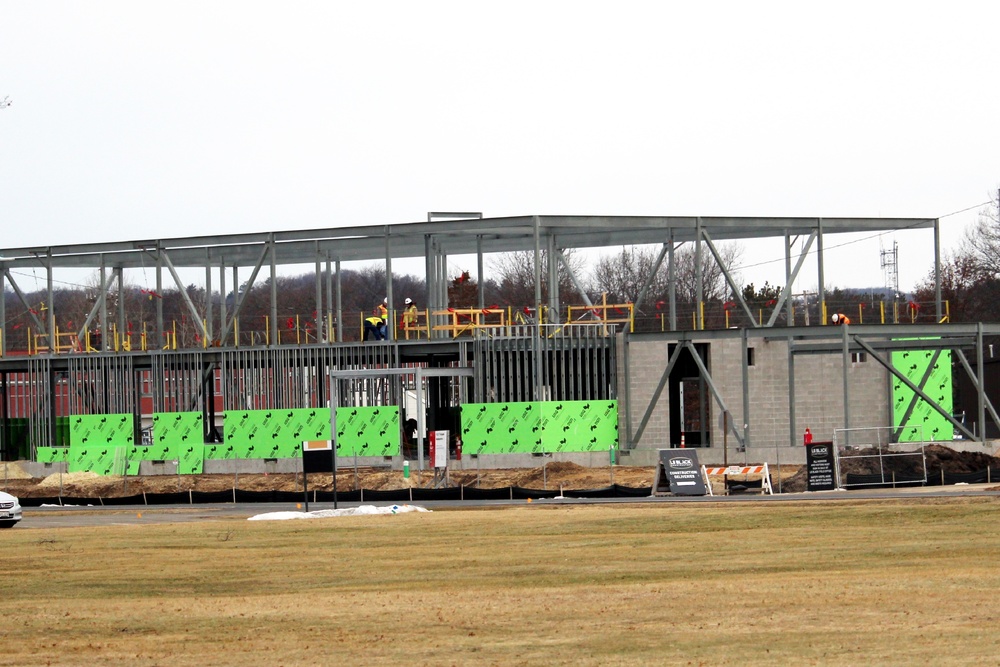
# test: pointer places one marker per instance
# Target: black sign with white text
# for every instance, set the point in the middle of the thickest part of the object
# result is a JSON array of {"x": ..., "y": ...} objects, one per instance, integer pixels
[
  {"x": 681, "y": 472},
  {"x": 820, "y": 466}
]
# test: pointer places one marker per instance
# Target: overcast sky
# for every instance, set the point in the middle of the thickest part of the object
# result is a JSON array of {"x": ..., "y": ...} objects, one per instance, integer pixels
[{"x": 140, "y": 119}]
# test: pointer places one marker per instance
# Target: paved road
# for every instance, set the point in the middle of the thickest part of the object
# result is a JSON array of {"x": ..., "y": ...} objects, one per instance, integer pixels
[{"x": 65, "y": 517}]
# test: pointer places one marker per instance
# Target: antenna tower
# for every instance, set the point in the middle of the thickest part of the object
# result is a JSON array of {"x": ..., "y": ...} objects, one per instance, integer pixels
[{"x": 890, "y": 269}]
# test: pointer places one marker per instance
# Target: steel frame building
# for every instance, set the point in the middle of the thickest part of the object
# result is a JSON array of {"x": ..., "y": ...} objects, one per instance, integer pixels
[{"x": 518, "y": 363}]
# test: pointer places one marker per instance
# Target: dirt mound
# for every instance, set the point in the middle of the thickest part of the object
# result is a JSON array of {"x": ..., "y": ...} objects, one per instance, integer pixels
[
  {"x": 13, "y": 470},
  {"x": 943, "y": 458},
  {"x": 554, "y": 475},
  {"x": 534, "y": 478},
  {"x": 57, "y": 480}
]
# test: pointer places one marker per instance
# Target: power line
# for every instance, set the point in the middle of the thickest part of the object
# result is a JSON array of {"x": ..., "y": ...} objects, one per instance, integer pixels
[
  {"x": 861, "y": 240},
  {"x": 985, "y": 203}
]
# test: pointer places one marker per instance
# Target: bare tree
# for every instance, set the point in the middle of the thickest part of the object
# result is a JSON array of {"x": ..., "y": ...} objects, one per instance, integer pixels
[
  {"x": 515, "y": 277},
  {"x": 622, "y": 276},
  {"x": 982, "y": 240}
]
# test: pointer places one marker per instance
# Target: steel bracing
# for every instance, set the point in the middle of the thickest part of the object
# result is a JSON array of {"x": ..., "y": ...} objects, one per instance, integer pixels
[{"x": 535, "y": 362}]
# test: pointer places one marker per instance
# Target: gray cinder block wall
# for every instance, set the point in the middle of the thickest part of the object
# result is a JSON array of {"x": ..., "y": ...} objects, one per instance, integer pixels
[{"x": 819, "y": 393}]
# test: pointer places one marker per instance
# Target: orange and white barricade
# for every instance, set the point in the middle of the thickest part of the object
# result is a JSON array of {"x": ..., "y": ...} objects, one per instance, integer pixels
[{"x": 746, "y": 471}]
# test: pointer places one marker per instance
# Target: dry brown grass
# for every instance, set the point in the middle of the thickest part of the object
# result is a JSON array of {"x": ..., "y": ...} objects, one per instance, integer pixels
[{"x": 833, "y": 583}]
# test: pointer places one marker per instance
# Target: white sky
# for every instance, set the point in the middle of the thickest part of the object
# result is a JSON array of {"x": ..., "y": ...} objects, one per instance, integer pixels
[{"x": 140, "y": 120}]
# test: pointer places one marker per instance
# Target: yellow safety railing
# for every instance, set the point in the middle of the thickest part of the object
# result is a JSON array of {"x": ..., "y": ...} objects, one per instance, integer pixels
[
  {"x": 462, "y": 320},
  {"x": 64, "y": 342},
  {"x": 414, "y": 323},
  {"x": 607, "y": 313}
]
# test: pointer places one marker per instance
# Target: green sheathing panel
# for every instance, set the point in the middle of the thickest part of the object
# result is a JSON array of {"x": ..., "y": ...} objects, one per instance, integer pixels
[
  {"x": 924, "y": 422},
  {"x": 52, "y": 454},
  {"x": 98, "y": 443},
  {"x": 539, "y": 426},
  {"x": 368, "y": 431},
  {"x": 179, "y": 436},
  {"x": 502, "y": 428},
  {"x": 580, "y": 426},
  {"x": 269, "y": 434}
]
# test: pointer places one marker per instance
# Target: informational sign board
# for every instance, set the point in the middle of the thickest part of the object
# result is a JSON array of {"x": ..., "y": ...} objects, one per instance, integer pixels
[
  {"x": 439, "y": 448},
  {"x": 679, "y": 473},
  {"x": 820, "y": 467},
  {"x": 317, "y": 456}
]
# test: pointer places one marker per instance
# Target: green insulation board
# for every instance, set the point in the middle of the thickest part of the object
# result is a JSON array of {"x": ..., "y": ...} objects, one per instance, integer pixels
[
  {"x": 269, "y": 434},
  {"x": 914, "y": 418},
  {"x": 181, "y": 436},
  {"x": 52, "y": 454},
  {"x": 98, "y": 443},
  {"x": 368, "y": 431},
  {"x": 539, "y": 427},
  {"x": 176, "y": 436}
]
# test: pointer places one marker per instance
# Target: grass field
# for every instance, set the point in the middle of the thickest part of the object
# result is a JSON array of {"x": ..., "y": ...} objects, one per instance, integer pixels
[{"x": 891, "y": 582}]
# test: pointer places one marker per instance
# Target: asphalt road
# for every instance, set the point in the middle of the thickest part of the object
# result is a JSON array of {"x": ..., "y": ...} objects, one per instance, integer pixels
[{"x": 139, "y": 515}]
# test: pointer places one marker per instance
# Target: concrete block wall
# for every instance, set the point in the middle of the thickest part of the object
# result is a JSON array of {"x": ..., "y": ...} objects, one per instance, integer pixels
[
  {"x": 646, "y": 362},
  {"x": 819, "y": 403}
]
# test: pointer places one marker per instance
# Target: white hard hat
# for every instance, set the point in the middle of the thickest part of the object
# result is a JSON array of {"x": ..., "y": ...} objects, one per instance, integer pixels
[
  {"x": 408, "y": 301},
  {"x": 835, "y": 318},
  {"x": 385, "y": 300}
]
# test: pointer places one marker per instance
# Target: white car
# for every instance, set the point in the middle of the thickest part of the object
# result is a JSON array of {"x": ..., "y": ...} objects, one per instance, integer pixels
[{"x": 10, "y": 510}]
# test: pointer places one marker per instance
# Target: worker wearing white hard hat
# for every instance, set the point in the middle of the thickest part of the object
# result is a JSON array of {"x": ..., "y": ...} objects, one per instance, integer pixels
[{"x": 409, "y": 318}]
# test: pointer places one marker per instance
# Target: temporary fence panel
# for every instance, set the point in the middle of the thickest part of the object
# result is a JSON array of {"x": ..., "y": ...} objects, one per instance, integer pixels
[{"x": 871, "y": 457}]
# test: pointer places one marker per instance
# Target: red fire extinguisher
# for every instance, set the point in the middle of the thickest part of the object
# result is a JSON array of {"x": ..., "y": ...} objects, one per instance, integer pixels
[{"x": 807, "y": 438}]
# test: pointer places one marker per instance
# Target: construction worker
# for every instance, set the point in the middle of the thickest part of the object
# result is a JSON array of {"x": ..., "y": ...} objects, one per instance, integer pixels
[
  {"x": 840, "y": 318},
  {"x": 374, "y": 328},
  {"x": 409, "y": 318},
  {"x": 382, "y": 311}
]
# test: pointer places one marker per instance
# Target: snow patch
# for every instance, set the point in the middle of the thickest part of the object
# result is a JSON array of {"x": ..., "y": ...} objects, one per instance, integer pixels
[{"x": 327, "y": 514}]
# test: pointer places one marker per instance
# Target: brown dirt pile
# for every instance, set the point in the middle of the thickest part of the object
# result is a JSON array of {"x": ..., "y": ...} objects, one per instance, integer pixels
[{"x": 553, "y": 476}]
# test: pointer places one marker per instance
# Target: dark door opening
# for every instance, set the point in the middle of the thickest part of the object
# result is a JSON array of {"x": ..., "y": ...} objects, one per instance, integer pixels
[{"x": 690, "y": 403}]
